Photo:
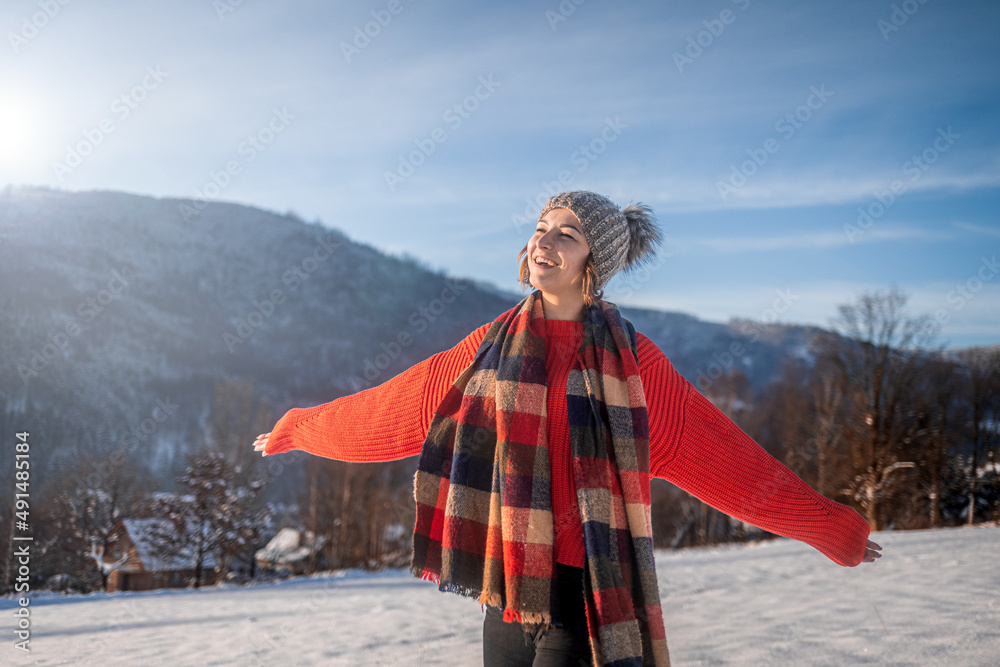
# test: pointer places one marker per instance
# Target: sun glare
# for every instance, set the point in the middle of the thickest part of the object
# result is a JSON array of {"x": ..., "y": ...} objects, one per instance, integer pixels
[{"x": 16, "y": 129}]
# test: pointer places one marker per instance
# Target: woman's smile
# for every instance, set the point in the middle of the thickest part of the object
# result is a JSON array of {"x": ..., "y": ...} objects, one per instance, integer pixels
[{"x": 544, "y": 262}]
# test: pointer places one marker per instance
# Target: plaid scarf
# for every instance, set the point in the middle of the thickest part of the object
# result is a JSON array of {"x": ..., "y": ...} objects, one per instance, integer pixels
[{"x": 484, "y": 524}]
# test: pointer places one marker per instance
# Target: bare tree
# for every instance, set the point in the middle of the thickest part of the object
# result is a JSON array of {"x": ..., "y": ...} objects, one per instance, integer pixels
[
  {"x": 79, "y": 510},
  {"x": 96, "y": 553},
  {"x": 782, "y": 420},
  {"x": 942, "y": 412},
  {"x": 237, "y": 418},
  {"x": 983, "y": 367},
  {"x": 732, "y": 393},
  {"x": 355, "y": 506},
  {"x": 799, "y": 419},
  {"x": 830, "y": 410},
  {"x": 876, "y": 351}
]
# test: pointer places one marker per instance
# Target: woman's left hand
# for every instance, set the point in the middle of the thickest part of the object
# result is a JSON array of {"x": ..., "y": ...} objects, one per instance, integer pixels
[
  {"x": 871, "y": 552},
  {"x": 260, "y": 443}
]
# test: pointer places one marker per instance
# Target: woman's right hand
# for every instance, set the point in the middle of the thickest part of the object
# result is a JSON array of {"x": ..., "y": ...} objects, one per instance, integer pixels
[
  {"x": 260, "y": 443},
  {"x": 871, "y": 552}
]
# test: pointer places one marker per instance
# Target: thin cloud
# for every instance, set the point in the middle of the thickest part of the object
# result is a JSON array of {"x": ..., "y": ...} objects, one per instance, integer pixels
[
  {"x": 816, "y": 304},
  {"x": 803, "y": 192},
  {"x": 812, "y": 241},
  {"x": 979, "y": 229}
]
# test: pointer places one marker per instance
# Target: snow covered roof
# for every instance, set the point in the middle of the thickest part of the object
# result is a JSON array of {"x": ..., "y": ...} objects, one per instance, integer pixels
[
  {"x": 288, "y": 546},
  {"x": 141, "y": 532}
]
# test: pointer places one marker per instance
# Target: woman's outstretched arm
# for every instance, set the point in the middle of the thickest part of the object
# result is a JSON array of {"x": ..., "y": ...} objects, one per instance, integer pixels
[
  {"x": 384, "y": 423},
  {"x": 695, "y": 446}
]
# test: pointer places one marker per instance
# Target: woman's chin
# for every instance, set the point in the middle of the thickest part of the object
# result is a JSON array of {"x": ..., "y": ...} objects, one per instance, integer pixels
[
  {"x": 540, "y": 278},
  {"x": 540, "y": 283}
]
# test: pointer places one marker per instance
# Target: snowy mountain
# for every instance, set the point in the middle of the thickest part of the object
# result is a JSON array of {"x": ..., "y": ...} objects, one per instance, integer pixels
[{"x": 120, "y": 312}]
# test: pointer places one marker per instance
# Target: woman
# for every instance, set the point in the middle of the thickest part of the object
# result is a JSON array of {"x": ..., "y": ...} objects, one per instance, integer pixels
[{"x": 538, "y": 434}]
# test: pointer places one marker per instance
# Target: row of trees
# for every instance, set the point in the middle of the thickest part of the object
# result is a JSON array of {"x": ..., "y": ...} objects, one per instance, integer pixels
[
  {"x": 878, "y": 418},
  {"x": 906, "y": 431},
  {"x": 216, "y": 511},
  {"x": 219, "y": 510},
  {"x": 363, "y": 513}
]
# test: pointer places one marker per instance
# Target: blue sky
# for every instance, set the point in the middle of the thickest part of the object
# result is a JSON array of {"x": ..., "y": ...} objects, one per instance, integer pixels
[{"x": 758, "y": 132}]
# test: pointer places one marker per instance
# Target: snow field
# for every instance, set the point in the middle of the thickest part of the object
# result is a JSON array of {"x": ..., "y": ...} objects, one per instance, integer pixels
[{"x": 933, "y": 599}]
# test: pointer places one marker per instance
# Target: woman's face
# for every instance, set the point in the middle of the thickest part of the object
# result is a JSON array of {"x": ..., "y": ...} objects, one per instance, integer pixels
[{"x": 557, "y": 253}]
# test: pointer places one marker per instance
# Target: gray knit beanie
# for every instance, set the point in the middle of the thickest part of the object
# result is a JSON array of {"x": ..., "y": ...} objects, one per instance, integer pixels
[{"x": 618, "y": 239}]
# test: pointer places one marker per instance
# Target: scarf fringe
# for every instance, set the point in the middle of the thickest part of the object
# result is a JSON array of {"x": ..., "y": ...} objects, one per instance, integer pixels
[
  {"x": 426, "y": 575},
  {"x": 493, "y": 600},
  {"x": 452, "y": 587},
  {"x": 533, "y": 621},
  {"x": 465, "y": 591}
]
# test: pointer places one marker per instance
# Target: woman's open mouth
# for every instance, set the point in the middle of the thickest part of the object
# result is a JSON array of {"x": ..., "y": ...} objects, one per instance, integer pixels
[{"x": 544, "y": 262}]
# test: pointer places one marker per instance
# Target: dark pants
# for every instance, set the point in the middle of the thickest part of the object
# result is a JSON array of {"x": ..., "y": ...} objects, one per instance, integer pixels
[{"x": 507, "y": 645}]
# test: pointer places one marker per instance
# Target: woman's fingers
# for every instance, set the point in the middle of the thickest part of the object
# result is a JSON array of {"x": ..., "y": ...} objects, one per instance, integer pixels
[
  {"x": 260, "y": 443},
  {"x": 871, "y": 552}
]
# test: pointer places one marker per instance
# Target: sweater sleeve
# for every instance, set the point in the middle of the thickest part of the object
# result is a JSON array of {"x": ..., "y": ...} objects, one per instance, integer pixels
[
  {"x": 695, "y": 446},
  {"x": 383, "y": 423}
]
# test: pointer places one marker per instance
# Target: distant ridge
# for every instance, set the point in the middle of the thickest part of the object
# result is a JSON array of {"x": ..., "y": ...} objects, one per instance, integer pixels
[{"x": 112, "y": 302}]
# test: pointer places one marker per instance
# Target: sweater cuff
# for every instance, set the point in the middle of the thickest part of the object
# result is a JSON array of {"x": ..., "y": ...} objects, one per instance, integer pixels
[
  {"x": 848, "y": 548},
  {"x": 280, "y": 440}
]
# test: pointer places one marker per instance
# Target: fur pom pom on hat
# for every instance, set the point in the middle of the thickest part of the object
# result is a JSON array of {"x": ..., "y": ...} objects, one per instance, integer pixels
[{"x": 620, "y": 239}]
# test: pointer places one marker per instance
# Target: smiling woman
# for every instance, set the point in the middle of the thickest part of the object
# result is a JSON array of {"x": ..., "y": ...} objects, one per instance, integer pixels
[{"x": 538, "y": 435}]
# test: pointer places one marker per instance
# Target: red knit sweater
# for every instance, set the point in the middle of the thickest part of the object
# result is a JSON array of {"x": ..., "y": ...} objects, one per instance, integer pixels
[{"x": 691, "y": 444}]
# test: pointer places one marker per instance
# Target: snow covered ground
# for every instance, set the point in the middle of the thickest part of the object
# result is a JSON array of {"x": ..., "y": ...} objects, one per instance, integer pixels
[{"x": 933, "y": 599}]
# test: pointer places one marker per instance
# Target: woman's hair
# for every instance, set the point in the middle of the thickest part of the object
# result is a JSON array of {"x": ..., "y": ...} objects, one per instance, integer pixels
[{"x": 591, "y": 294}]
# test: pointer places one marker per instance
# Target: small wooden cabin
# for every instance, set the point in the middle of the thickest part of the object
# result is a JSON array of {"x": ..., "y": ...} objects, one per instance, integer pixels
[{"x": 143, "y": 569}]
